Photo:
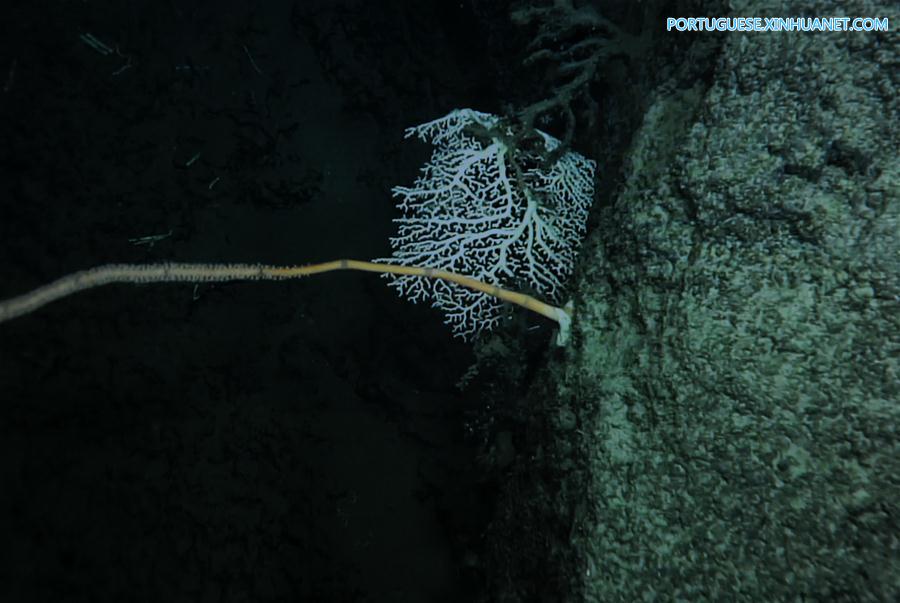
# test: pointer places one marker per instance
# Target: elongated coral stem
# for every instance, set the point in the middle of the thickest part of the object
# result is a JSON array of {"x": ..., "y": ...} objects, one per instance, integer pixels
[{"x": 217, "y": 273}]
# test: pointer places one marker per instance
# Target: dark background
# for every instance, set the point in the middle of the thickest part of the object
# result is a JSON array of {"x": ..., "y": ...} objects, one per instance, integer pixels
[{"x": 254, "y": 441}]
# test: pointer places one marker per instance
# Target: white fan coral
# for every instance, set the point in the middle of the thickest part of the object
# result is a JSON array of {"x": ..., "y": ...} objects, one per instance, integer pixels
[{"x": 486, "y": 208}]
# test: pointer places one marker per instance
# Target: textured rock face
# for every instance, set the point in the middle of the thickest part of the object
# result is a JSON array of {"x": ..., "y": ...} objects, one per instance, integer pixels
[{"x": 736, "y": 353}]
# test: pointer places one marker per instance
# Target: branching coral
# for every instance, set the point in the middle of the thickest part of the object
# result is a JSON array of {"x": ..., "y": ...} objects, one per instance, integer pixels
[{"x": 574, "y": 41}]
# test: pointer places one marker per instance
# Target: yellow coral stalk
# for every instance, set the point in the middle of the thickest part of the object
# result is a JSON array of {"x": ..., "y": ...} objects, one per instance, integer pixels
[{"x": 204, "y": 273}]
